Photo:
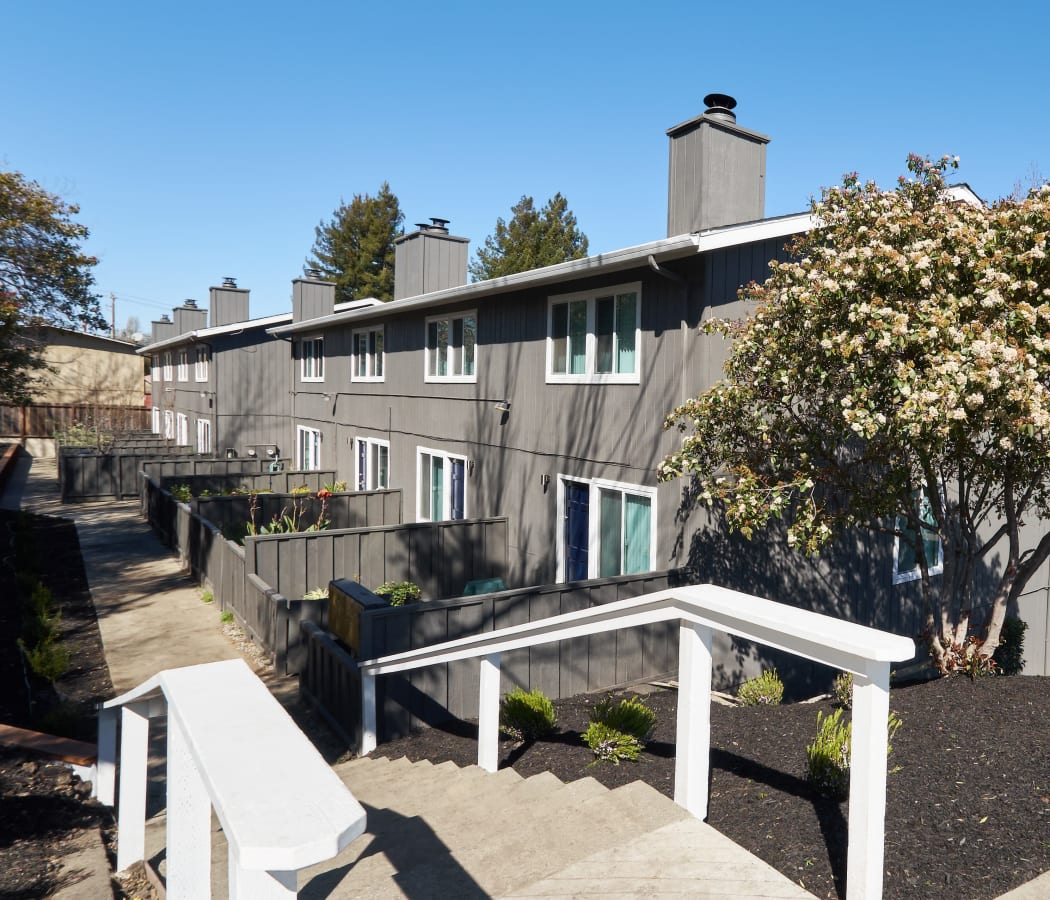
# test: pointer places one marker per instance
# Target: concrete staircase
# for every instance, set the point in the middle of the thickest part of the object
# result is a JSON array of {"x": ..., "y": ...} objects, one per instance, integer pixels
[{"x": 440, "y": 831}]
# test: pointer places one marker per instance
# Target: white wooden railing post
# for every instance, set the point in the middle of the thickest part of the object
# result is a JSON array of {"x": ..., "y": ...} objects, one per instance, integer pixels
[
  {"x": 488, "y": 713},
  {"x": 188, "y": 821},
  {"x": 368, "y": 713},
  {"x": 867, "y": 789},
  {"x": 693, "y": 750},
  {"x": 134, "y": 757},
  {"x": 248, "y": 884},
  {"x": 105, "y": 786}
]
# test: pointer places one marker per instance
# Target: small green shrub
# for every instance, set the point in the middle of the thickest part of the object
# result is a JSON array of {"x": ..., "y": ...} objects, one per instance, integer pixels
[
  {"x": 335, "y": 487},
  {"x": 828, "y": 757},
  {"x": 842, "y": 690},
  {"x": 763, "y": 690},
  {"x": 301, "y": 489},
  {"x": 227, "y": 617},
  {"x": 527, "y": 715},
  {"x": 609, "y": 744},
  {"x": 49, "y": 660},
  {"x": 400, "y": 592},
  {"x": 207, "y": 596},
  {"x": 182, "y": 493},
  {"x": 1009, "y": 655},
  {"x": 630, "y": 716},
  {"x": 318, "y": 593}
]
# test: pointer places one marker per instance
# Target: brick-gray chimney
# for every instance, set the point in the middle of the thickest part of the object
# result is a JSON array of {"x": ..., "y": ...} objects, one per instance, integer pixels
[
  {"x": 229, "y": 303},
  {"x": 189, "y": 317},
  {"x": 717, "y": 170},
  {"x": 163, "y": 328},
  {"x": 312, "y": 297},
  {"x": 429, "y": 259}
]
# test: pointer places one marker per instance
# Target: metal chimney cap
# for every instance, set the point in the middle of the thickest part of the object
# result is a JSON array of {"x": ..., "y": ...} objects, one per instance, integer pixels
[
  {"x": 314, "y": 274},
  {"x": 189, "y": 304},
  {"x": 720, "y": 106},
  {"x": 164, "y": 318},
  {"x": 439, "y": 224},
  {"x": 229, "y": 281}
]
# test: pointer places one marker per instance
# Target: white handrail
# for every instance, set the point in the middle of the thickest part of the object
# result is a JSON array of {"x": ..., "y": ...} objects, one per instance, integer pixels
[
  {"x": 231, "y": 748},
  {"x": 701, "y": 609}
]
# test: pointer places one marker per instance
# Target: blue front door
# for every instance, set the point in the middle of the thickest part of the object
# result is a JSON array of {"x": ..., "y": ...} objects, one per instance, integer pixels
[{"x": 577, "y": 529}]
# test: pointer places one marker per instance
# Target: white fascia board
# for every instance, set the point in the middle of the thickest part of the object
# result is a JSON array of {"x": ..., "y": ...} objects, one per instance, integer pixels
[
  {"x": 675, "y": 247},
  {"x": 202, "y": 334}
]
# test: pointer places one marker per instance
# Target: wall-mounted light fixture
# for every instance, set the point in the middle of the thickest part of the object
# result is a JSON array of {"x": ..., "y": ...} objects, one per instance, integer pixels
[
  {"x": 545, "y": 480},
  {"x": 327, "y": 396},
  {"x": 252, "y": 453},
  {"x": 503, "y": 406}
]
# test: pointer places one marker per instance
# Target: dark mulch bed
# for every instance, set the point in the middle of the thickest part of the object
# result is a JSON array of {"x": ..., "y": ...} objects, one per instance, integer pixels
[
  {"x": 968, "y": 802},
  {"x": 43, "y": 806}
]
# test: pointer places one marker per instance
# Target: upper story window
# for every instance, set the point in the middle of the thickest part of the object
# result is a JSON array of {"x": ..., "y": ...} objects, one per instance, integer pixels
[
  {"x": 452, "y": 347},
  {"x": 184, "y": 365},
  {"x": 595, "y": 336},
  {"x": 368, "y": 362},
  {"x": 200, "y": 365},
  {"x": 312, "y": 361},
  {"x": 167, "y": 366},
  {"x": 905, "y": 561},
  {"x": 155, "y": 369}
]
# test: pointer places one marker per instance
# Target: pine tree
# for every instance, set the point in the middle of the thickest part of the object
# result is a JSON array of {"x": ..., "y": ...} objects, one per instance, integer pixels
[
  {"x": 532, "y": 239},
  {"x": 356, "y": 248}
]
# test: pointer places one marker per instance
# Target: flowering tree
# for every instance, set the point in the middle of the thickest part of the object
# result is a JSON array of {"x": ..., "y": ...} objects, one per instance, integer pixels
[{"x": 895, "y": 376}]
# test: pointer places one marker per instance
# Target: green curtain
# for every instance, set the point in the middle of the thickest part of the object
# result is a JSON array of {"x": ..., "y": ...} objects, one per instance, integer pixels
[
  {"x": 626, "y": 324},
  {"x": 637, "y": 537},
  {"x": 578, "y": 337}
]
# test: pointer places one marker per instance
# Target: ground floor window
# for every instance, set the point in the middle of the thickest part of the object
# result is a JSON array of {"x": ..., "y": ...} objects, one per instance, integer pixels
[
  {"x": 605, "y": 529},
  {"x": 372, "y": 464},
  {"x": 155, "y": 420},
  {"x": 308, "y": 448},
  {"x": 441, "y": 491},
  {"x": 203, "y": 436},
  {"x": 905, "y": 561},
  {"x": 183, "y": 424},
  {"x": 169, "y": 425}
]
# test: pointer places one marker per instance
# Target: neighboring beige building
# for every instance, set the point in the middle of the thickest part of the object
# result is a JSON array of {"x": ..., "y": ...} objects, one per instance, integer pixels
[{"x": 90, "y": 370}]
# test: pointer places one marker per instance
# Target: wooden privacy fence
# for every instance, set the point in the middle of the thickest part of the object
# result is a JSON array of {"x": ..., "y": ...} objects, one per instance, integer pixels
[
  {"x": 330, "y": 679},
  {"x": 279, "y": 482},
  {"x": 42, "y": 420},
  {"x": 112, "y": 475},
  {"x": 346, "y": 510},
  {"x": 273, "y": 612},
  {"x": 441, "y": 557}
]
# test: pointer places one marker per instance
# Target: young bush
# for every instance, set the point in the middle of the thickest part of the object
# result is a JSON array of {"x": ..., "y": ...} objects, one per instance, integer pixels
[
  {"x": 1009, "y": 655},
  {"x": 828, "y": 757},
  {"x": 527, "y": 715},
  {"x": 207, "y": 596},
  {"x": 226, "y": 617},
  {"x": 842, "y": 690},
  {"x": 763, "y": 690},
  {"x": 400, "y": 592},
  {"x": 182, "y": 493},
  {"x": 48, "y": 660},
  {"x": 318, "y": 593},
  {"x": 611, "y": 745},
  {"x": 630, "y": 716}
]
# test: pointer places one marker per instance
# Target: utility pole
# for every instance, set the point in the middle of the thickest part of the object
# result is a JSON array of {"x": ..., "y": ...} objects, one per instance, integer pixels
[{"x": 112, "y": 315}]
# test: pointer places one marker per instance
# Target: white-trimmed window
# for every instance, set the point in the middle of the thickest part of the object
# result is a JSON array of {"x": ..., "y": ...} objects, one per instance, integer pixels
[
  {"x": 204, "y": 436},
  {"x": 169, "y": 425},
  {"x": 372, "y": 464},
  {"x": 184, "y": 365},
  {"x": 595, "y": 336},
  {"x": 312, "y": 359},
  {"x": 155, "y": 420},
  {"x": 905, "y": 562},
  {"x": 308, "y": 448},
  {"x": 605, "y": 528},
  {"x": 167, "y": 365},
  {"x": 200, "y": 364},
  {"x": 452, "y": 348},
  {"x": 368, "y": 358},
  {"x": 155, "y": 369},
  {"x": 183, "y": 425},
  {"x": 441, "y": 487}
]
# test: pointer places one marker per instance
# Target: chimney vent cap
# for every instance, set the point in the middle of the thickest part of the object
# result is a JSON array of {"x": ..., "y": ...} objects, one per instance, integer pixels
[
  {"x": 164, "y": 318},
  {"x": 229, "y": 281},
  {"x": 720, "y": 106},
  {"x": 189, "y": 304},
  {"x": 314, "y": 274}
]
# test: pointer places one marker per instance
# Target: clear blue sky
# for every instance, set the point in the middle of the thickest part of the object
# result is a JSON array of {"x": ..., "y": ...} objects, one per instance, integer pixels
[{"x": 209, "y": 139}]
